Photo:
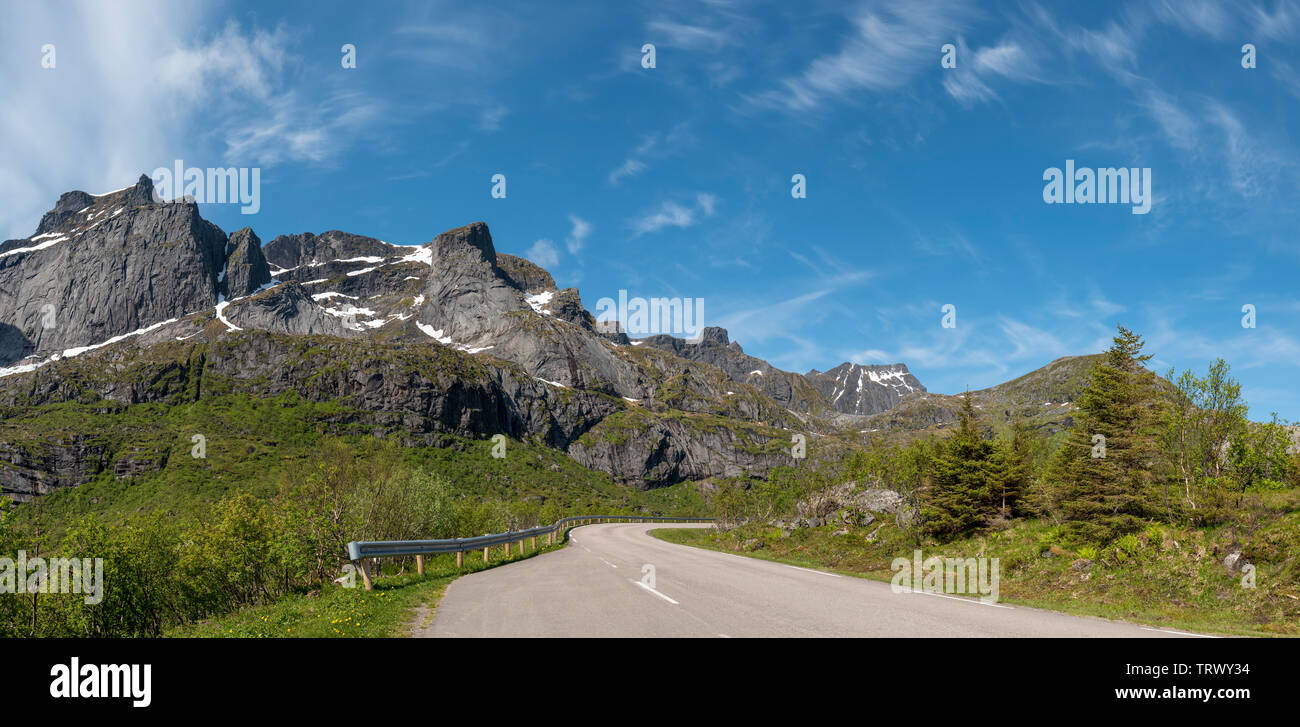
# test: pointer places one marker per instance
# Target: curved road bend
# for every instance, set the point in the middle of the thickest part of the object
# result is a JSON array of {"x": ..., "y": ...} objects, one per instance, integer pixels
[{"x": 593, "y": 588}]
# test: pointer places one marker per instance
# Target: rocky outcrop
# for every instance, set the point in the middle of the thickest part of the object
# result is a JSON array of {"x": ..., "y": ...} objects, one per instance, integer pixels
[
  {"x": 246, "y": 270},
  {"x": 289, "y": 309},
  {"x": 849, "y": 504},
  {"x": 714, "y": 348},
  {"x": 101, "y": 267},
  {"x": 293, "y": 251}
]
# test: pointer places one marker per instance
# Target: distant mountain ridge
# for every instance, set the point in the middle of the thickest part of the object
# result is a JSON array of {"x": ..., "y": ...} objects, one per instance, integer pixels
[{"x": 121, "y": 298}]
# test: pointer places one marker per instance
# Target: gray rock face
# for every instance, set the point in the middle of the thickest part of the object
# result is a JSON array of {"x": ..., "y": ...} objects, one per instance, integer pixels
[
  {"x": 668, "y": 451},
  {"x": 246, "y": 268},
  {"x": 292, "y": 251},
  {"x": 103, "y": 269},
  {"x": 288, "y": 309},
  {"x": 474, "y": 304},
  {"x": 788, "y": 389},
  {"x": 856, "y": 389}
]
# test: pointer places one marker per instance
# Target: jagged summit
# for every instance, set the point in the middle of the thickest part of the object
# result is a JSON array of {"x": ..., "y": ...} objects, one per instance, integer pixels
[{"x": 865, "y": 389}]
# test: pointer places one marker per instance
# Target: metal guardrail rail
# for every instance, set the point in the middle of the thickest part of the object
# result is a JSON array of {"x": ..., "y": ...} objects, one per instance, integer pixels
[{"x": 360, "y": 551}]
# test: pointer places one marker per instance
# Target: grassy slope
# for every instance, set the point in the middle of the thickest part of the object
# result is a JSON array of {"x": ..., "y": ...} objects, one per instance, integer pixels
[
  {"x": 398, "y": 604},
  {"x": 1173, "y": 580},
  {"x": 252, "y": 441}
]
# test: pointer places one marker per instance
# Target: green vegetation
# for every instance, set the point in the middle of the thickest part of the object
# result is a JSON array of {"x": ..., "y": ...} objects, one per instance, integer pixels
[
  {"x": 1163, "y": 502},
  {"x": 262, "y": 519},
  {"x": 398, "y": 605}
]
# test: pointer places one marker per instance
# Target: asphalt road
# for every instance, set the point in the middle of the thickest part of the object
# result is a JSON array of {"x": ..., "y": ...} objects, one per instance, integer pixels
[{"x": 594, "y": 587}]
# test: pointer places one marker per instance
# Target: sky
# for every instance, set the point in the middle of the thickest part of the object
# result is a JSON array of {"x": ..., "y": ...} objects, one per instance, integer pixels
[{"x": 924, "y": 183}]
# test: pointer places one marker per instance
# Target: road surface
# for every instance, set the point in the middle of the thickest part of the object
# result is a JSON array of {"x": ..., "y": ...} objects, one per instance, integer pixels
[{"x": 593, "y": 587}]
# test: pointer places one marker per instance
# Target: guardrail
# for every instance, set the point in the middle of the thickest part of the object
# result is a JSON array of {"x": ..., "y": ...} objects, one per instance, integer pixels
[{"x": 360, "y": 551}]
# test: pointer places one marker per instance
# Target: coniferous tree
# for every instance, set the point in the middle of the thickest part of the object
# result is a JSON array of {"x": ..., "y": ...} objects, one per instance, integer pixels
[
  {"x": 957, "y": 499},
  {"x": 1014, "y": 470},
  {"x": 1101, "y": 476}
]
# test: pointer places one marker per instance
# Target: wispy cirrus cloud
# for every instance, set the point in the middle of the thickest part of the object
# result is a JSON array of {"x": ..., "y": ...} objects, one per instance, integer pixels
[
  {"x": 887, "y": 45},
  {"x": 653, "y": 146},
  {"x": 674, "y": 214}
]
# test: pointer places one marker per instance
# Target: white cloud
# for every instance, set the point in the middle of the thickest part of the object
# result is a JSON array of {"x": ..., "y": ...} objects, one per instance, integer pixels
[
  {"x": 629, "y": 168},
  {"x": 490, "y": 118},
  {"x": 688, "y": 37},
  {"x": 164, "y": 87},
  {"x": 672, "y": 214},
  {"x": 888, "y": 45},
  {"x": 543, "y": 253},
  {"x": 653, "y": 146},
  {"x": 578, "y": 235}
]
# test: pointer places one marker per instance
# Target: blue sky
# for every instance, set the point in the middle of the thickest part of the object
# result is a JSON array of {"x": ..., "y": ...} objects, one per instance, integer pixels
[{"x": 924, "y": 184}]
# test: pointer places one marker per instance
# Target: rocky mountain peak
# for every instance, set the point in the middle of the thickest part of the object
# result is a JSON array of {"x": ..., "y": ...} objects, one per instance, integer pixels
[
  {"x": 865, "y": 389},
  {"x": 69, "y": 204},
  {"x": 472, "y": 240}
]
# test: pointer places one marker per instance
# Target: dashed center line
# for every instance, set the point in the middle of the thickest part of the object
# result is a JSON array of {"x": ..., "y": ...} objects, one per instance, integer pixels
[{"x": 657, "y": 593}]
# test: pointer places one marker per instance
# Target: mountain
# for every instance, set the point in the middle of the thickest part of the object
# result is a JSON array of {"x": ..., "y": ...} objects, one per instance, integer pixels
[
  {"x": 856, "y": 389},
  {"x": 118, "y": 301}
]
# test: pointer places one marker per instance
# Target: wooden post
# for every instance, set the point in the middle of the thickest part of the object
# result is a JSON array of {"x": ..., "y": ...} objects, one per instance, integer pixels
[
  {"x": 460, "y": 558},
  {"x": 419, "y": 564},
  {"x": 534, "y": 542},
  {"x": 365, "y": 575},
  {"x": 485, "y": 555},
  {"x": 550, "y": 538},
  {"x": 507, "y": 549}
]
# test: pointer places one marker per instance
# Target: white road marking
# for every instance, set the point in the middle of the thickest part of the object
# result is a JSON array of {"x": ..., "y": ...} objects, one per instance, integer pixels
[
  {"x": 1181, "y": 633},
  {"x": 810, "y": 570},
  {"x": 959, "y": 598},
  {"x": 657, "y": 593},
  {"x": 611, "y": 565}
]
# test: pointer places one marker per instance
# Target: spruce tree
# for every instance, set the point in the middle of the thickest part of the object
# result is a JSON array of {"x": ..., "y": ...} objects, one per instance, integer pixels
[
  {"x": 958, "y": 497},
  {"x": 1014, "y": 472},
  {"x": 1101, "y": 476}
]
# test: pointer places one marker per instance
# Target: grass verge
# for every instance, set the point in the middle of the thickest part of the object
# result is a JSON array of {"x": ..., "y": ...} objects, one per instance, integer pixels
[
  {"x": 398, "y": 604},
  {"x": 1171, "y": 580}
]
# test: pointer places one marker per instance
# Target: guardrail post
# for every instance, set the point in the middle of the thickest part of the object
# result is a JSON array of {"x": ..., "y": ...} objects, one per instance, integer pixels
[
  {"x": 360, "y": 565},
  {"x": 534, "y": 542},
  {"x": 419, "y": 564},
  {"x": 485, "y": 554},
  {"x": 550, "y": 538},
  {"x": 460, "y": 558},
  {"x": 507, "y": 544}
]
